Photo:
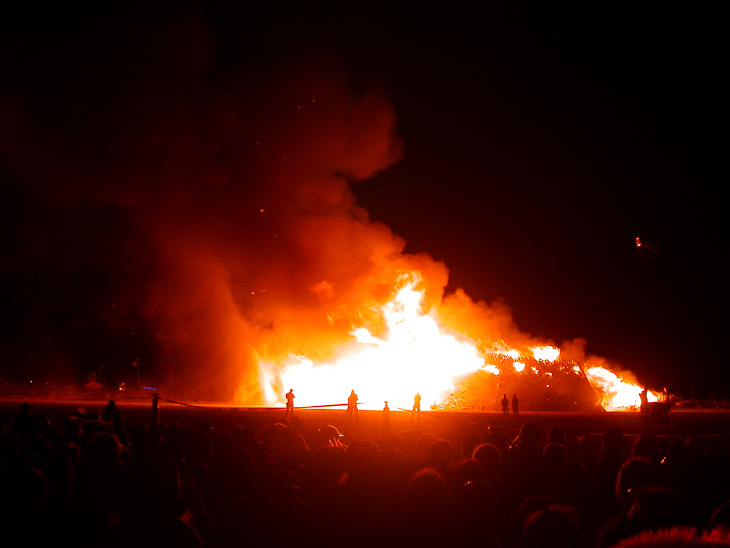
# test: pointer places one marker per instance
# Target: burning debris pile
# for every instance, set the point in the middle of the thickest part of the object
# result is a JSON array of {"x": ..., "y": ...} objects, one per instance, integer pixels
[{"x": 414, "y": 352}]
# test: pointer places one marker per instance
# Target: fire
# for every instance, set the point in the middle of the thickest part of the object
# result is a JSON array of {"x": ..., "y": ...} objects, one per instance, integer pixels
[
  {"x": 618, "y": 393},
  {"x": 546, "y": 353},
  {"x": 416, "y": 353}
]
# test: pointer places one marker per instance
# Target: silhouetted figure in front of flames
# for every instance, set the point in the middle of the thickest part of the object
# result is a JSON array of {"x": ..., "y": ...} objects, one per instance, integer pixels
[
  {"x": 644, "y": 397},
  {"x": 515, "y": 405},
  {"x": 416, "y": 407},
  {"x": 352, "y": 406},
  {"x": 289, "y": 404},
  {"x": 386, "y": 421},
  {"x": 505, "y": 406}
]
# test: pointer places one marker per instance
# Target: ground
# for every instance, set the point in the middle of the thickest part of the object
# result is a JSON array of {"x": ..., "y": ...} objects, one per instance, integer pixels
[{"x": 454, "y": 426}]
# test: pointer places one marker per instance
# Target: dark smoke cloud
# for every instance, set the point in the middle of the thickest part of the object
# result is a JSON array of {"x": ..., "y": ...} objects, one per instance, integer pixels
[
  {"x": 235, "y": 234},
  {"x": 170, "y": 205}
]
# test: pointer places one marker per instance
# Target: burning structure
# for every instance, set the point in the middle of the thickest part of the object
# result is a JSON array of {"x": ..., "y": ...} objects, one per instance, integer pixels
[{"x": 414, "y": 350}]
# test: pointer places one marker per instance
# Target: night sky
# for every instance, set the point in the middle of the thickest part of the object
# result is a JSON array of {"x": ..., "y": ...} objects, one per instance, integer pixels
[{"x": 538, "y": 142}]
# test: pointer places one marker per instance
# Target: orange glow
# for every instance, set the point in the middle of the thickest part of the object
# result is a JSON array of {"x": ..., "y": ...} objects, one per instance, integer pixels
[
  {"x": 618, "y": 393},
  {"x": 416, "y": 353},
  {"x": 546, "y": 353}
]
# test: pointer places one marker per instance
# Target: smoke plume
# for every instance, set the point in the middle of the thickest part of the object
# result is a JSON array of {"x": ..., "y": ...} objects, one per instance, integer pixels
[{"x": 200, "y": 213}]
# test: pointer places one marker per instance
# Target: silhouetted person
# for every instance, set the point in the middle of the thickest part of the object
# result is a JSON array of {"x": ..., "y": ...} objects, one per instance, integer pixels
[
  {"x": 520, "y": 464},
  {"x": 289, "y": 404},
  {"x": 416, "y": 407},
  {"x": 386, "y": 421},
  {"x": 112, "y": 414},
  {"x": 425, "y": 510},
  {"x": 352, "y": 406},
  {"x": 155, "y": 408},
  {"x": 515, "y": 405},
  {"x": 505, "y": 406},
  {"x": 644, "y": 397}
]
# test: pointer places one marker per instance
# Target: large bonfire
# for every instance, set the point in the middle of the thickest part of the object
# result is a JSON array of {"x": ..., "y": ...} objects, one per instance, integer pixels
[{"x": 409, "y": 349}]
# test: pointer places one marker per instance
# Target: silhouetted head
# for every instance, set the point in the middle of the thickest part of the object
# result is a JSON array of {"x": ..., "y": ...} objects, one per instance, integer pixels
[
  {"x": 468, "y": 445},
  {"x": 529, "y": 434},
  {"x": 530, "y": 506},
  {"x": 647, "y": 446},
  {"x": 426, "y": 494},
  {"x": 329, "y": 432},
  {"x": 635, "y": 472},
  {"x": 488, "y": 456},
  {"x": 659, "y": 506},
  {"x": 553, "y": 454},
  {"x": 557, "y": 435},
  {"x": 720, "y": 518},
  {"x": 547, "y": 528},
  {"x": 674, "y": 537},
  {"x": 467, "y": 471},
  {"x": 613, "y": 442}
]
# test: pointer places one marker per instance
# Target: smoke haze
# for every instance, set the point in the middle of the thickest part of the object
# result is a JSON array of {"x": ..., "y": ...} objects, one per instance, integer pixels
[
  {"x": 210, "y": 209},
  {"x": 195, "y": 215}
]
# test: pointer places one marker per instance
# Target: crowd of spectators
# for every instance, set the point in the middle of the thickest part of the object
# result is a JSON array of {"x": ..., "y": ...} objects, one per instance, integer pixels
[{"x": 95, "y": 481}]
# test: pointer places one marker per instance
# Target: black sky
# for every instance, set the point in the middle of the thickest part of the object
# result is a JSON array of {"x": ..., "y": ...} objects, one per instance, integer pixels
[{"x": 539, "y": 143}]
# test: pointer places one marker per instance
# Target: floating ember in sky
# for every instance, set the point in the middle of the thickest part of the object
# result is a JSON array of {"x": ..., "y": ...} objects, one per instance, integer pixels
[{"x": 416, "y": 353}]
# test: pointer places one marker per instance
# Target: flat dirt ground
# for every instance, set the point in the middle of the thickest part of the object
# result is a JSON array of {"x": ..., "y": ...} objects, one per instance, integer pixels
[{"x": 454, "y": 426}]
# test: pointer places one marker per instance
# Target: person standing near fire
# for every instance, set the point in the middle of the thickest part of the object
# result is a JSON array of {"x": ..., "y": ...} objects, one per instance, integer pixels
[
  {"x": 416, "y": 407},
  {"x": 289, "y": 404},
  {"x": 386, "y": 421},
  {"x": 505, "y": 406},
  {"x": 352, "y": 406},
  {"x": 515, "y": 405}
]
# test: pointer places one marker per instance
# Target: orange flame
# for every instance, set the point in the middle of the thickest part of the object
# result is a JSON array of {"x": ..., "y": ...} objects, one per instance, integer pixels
[
  {"x": 416, "y": 353},
  {"x": 617, "y": 393}
]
